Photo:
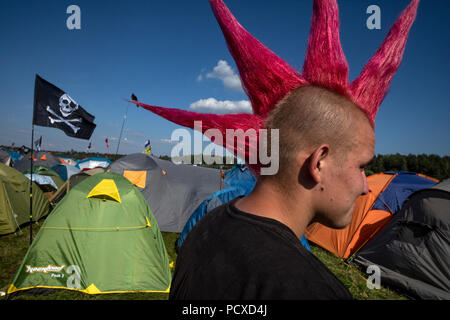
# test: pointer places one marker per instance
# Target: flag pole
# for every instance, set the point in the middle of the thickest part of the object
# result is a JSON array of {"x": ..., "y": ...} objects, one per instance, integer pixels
[
  {"x": 121, "y": 130},
  {"x": 31, "y": 166},
  {"x": 31, "y": 185}
]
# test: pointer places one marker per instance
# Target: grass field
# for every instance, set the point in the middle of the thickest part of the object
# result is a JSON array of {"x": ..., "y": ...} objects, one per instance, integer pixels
[{"x": 14, "y": 247}]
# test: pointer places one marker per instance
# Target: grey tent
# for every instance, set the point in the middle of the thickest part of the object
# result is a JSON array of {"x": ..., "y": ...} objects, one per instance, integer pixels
[
  {"x": 45, "y": 159},
  {"x": 413, "y": 251},
  {"x": 172, "y": 191},
  {"x": 5, "y": 157}
]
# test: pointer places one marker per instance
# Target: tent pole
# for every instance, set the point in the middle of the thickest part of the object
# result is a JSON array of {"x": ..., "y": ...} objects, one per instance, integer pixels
[{"x": 31, "y": 185}]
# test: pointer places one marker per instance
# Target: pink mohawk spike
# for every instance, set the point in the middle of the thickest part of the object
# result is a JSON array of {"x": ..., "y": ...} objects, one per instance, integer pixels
[
  {"x": 372, "y": 85},
  {"x": 266, "y": 78},
  {"x": 222, "y": 122},
  {"x": 325, "y": 64}
]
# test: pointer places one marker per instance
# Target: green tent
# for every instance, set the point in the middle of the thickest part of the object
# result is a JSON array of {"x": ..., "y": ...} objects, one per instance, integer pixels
[
  {"x": 102, "y": 237},
  {"x": 15, "y": 200},
  {"x": 72, "y": 182},
  {"x": 42, "y": 170},
  {"x": 172, "y": 191}
]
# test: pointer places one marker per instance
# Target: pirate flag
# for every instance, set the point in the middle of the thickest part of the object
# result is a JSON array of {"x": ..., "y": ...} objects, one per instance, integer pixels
[{"x": 55, "y": 108}]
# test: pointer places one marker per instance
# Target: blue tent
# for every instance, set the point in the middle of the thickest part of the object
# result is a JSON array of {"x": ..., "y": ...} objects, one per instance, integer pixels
[
  {"x": 240, "y": 176},
  {"x": 15, "y": 156},
  {"x": 65, "y": 171},
  {"x": 399, "y": 189},
  {"x": 238, "y": 182}
]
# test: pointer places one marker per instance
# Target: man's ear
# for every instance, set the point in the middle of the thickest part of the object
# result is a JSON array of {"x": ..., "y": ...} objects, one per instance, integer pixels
[{"x": 316, "y": 162}]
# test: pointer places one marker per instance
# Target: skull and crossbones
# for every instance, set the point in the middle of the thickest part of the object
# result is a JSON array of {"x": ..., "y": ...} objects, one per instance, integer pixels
[{"x": 66, "y": 106}]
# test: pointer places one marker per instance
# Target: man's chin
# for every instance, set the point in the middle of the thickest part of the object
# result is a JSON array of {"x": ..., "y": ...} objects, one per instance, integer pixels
[
  {"x": 341, "y": 223},
  {"x": 340, "y": 226},
  {"x": 348, "y": 219}
]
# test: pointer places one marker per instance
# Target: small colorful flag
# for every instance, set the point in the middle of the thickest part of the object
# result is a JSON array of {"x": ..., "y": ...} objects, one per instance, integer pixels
[
  {"x": 38, "y": 144},
  {"x": 148, "y": 147}
]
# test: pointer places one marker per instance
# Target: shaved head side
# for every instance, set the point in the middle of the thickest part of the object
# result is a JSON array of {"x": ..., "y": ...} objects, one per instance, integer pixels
[{"x": 310, "y": 116}]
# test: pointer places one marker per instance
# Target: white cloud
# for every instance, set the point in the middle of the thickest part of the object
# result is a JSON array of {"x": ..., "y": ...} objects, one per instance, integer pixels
[
  {"x": 211, "y": 105},
  {"x": 226, "y": 74}
]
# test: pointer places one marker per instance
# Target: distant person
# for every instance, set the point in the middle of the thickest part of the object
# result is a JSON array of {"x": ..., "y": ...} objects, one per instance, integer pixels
[{"x": 250, "y": 247}]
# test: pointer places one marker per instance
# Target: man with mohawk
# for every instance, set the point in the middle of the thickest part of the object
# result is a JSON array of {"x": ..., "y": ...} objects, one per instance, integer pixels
[{"x": 250, "y": 248}]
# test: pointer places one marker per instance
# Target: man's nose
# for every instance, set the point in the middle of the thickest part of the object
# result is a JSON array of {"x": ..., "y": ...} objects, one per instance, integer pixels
[{"x": 365, "y": 184}]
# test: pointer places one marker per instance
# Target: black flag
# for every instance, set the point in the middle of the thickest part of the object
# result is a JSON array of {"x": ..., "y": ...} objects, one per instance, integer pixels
[
  {"x": 134, "y": 98},
  {"x": 55, "y": 108}
]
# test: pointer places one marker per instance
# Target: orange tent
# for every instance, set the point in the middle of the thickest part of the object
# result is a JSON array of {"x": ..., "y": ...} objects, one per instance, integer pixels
[{"x": 367, "y": 219}]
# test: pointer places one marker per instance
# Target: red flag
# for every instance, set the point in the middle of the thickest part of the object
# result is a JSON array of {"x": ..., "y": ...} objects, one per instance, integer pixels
[{"x": 107, "y": 142}]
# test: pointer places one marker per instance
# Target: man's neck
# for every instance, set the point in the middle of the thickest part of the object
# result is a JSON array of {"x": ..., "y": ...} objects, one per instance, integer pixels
[{"x": 267, "y": 200}]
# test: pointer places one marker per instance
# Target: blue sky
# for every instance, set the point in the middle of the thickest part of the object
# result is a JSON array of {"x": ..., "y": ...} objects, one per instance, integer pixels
[{"x": 172, "y": 53}]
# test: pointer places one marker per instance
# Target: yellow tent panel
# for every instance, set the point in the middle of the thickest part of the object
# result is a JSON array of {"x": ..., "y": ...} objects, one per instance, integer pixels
[{"x": 105, "y": 189}]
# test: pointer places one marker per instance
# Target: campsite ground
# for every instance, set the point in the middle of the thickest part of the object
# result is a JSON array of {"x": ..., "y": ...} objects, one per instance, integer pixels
[{"x": 14, "y": 247}]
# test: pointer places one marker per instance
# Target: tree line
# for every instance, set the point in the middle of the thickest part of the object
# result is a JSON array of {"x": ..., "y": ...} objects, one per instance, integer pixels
[{"x": 431, "y": 165}]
